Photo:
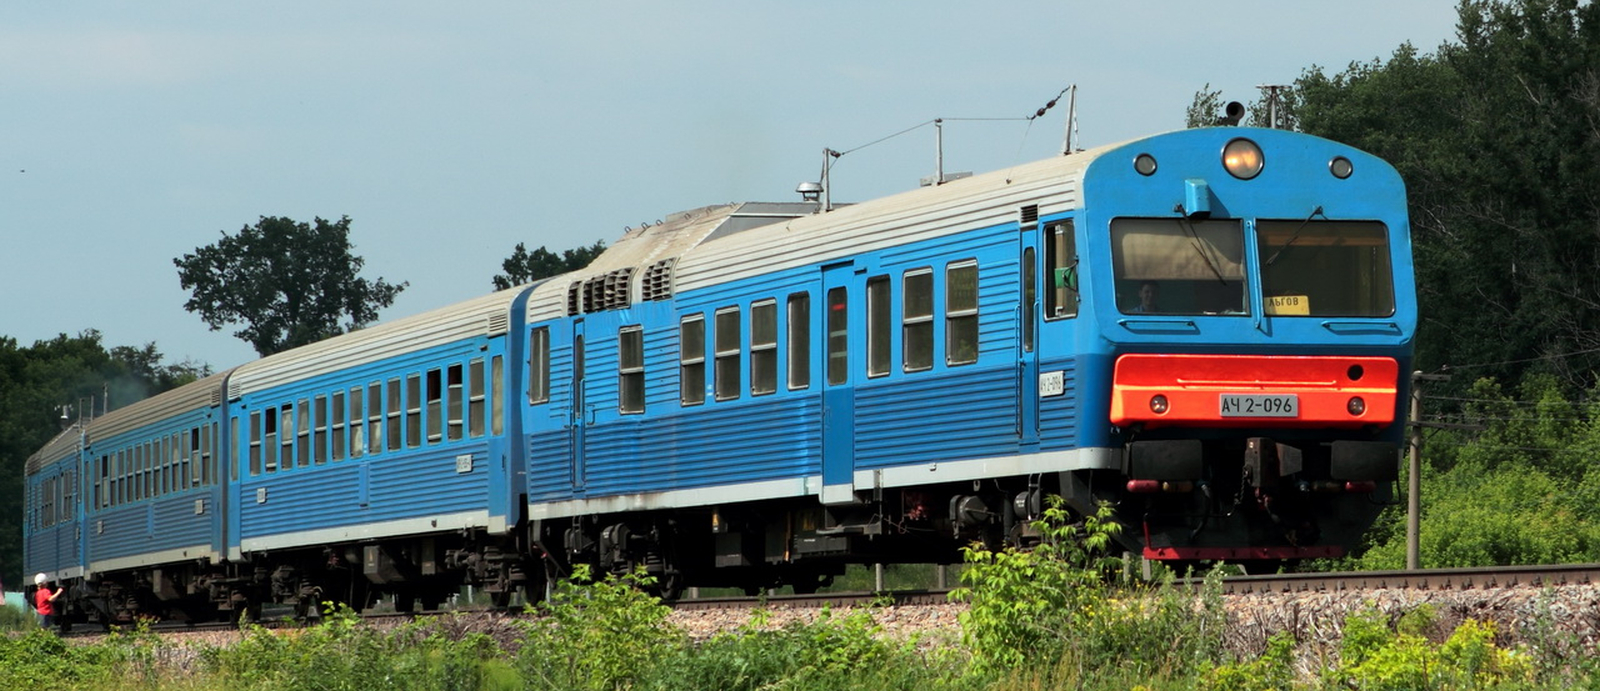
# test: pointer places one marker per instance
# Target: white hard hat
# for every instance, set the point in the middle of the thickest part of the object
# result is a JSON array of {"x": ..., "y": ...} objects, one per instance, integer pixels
[{"x": 38, "y": 579}]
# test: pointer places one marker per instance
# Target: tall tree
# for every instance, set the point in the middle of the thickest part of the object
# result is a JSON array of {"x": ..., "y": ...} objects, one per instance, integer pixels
[
  {"x": 1498, "y": 139},
  {"x": 525, "y": 267},
  {"x": 288, "y": 283}
]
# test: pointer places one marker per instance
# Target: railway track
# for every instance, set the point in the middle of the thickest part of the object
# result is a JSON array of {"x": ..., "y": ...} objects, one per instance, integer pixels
[{"x": 1457, "y": 579}]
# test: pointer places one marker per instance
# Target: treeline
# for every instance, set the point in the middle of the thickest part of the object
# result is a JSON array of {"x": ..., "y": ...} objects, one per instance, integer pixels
[{"x": 1497, "y": 136}]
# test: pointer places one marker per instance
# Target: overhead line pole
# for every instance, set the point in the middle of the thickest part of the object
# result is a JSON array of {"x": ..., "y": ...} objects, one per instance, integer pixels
[{"x": 1414, "y": 481}]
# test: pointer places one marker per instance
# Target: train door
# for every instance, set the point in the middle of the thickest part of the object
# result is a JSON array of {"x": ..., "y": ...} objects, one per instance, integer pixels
[
  {"x": 1028, "y": 318},
  {"x": 579, "y": 413},
  {"x": 838, "y": 394}
]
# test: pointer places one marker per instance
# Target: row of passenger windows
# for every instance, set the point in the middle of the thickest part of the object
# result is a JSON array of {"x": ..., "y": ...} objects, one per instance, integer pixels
[
  {"x": 156, "y": 468},
  {"x": 421, "y": 408},
  {"x": 728, "y": 352},
  {"x": 54, "y": 500}
]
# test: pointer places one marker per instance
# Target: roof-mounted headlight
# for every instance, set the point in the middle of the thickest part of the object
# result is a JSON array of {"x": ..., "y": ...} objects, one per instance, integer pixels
[{"x": 1242, "y": 158}]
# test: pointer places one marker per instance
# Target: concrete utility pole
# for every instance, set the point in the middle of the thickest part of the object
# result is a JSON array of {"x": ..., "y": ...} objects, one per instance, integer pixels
[{"x": 1414, "y": 482}]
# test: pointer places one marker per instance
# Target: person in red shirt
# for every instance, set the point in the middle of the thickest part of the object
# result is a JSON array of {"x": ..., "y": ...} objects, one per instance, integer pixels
[{"x": 44, "y": 600}]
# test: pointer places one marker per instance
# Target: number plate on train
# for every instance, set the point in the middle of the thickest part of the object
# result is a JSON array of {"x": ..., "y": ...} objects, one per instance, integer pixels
[{"x": 1260, "y": 405}]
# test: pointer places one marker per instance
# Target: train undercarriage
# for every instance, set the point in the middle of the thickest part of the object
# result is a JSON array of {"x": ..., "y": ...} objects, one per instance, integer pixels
[{"x": 1254, "y": 500}]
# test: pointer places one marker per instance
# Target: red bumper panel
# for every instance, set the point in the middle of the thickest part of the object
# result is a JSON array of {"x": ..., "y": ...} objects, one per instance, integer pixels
[
  {"x": 1242, "y": 553},
  {"x": 1253, "y": 391}
]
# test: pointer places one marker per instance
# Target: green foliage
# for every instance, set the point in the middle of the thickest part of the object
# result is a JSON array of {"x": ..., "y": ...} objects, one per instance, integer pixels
[
  {"x": 832, "y": 652},
  {"x": 1051, "y": 615},
  {"x": 1272, "y": 671},
  {"x": 1479, "y": 130},
  {"x": 39, "y": 660},
  {"x": 1023, "y": 602},
  {"x": 344, "y": 654},
  {"x": 16, "y": 619},
  {"x": 1519, "y": 491},
  {"x": 288, "y": 283},
  {"x": 596, "y": 635},
  {"x": 526, "y": 267},
  {"x": 1374, "y": 656}
]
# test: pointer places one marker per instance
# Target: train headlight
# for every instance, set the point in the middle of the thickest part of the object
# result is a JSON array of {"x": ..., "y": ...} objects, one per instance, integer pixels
[
  {"x": 1144, "y": 164},
  {"x": 1242, "y": 158},
  {"x": 1356, "y": 406},
  {"x": 1158, "y": 404},
  {"x": 1340, "y": 167}
]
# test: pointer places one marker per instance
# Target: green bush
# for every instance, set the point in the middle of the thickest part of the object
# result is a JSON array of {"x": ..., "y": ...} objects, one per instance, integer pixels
[
  {"x": 599, "y": 635},
  {"x": 832, "y": 652},
  {"x": 342, "y": 654},
  {"x": 16, "y": 619},
  {"x": 1375, "y": 657}
]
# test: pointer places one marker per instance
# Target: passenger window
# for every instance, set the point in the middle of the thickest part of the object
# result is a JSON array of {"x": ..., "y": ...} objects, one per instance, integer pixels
[
  {"x": 877, "y": 326},
  {"x": 799, "y": 363},
  {"x": 475, "y": 398},
  {"x": 727, "y": 354},
  {"x": 838, "y": 336},
  {"x": 961, "y": 313},
  {"x": 630, "y": 369},
  {"x": 692, "y": 360},
  {"x": 413, "y": 411},
  {"x": 340, "y": 416},
  {"x": 539, "y": 365},
  {"x": 435, "y": 412},
  {"x": 763, "y": 347},
  {"x": 916, "y": 335},
  {"x": 393, "y": 412},
  {"x": 497, "y": 396},
  {"x": 456, "y": 404},
  {"x": 1061, "y": 271}
]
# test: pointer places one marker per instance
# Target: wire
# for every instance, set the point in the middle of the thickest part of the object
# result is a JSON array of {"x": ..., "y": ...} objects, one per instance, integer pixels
[{"x": 1552, "y": 356}]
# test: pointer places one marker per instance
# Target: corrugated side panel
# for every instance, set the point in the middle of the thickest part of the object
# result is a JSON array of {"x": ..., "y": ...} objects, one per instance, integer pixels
[
  {"x": 550, "y": 466},
  {"x": 427, "y": 330},
  {"x": 176, "y": 524},
  {"x": 966, "y": 413},
  {"x": 1058, "y": 415},
  {"x": 127, "y": 528},
  {"x": 719, "y": 445},
  {"x": 52, "y": 549},
  {"x": 168, "y": 404},
  {"x": 413, "y": 485}
]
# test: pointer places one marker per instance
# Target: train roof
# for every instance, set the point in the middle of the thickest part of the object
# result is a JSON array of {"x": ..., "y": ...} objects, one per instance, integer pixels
[
  {"x": 62, "y": 446},
  {"x": 712, "y": 244},
  {"x": 198, "y": 394},
  {"x": 487, "y": 315}
]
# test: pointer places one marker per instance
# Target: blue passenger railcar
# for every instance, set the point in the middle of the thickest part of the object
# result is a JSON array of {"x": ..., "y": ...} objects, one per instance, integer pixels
[
  {"x": 52, "y": 543},
  {"x": 129, "y": 512},
  {"x": 375, "y": 461}
]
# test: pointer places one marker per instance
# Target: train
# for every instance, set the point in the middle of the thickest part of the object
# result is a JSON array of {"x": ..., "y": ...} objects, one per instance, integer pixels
[{"x": 1209, "y": 331}]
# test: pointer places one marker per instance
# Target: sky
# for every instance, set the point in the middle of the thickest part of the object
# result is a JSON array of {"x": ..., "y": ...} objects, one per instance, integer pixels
[{"x": 132, "y": 133}]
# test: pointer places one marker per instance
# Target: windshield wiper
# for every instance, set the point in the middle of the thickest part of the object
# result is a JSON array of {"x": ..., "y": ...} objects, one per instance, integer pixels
[
  {"x": 1295, "y": 235},
  {"x": 1194, "y": 241}
]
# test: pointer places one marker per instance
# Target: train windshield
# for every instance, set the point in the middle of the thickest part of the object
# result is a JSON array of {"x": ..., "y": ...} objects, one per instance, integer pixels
[
  {"x": 1325, "y": 268},
  {"x": 1178, "y": 266}
]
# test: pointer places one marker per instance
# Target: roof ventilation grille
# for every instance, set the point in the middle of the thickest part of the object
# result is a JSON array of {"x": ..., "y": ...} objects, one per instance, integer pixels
[
  {"x": 657, "y": 283},
  {"x": 1028, "y": 217}
]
